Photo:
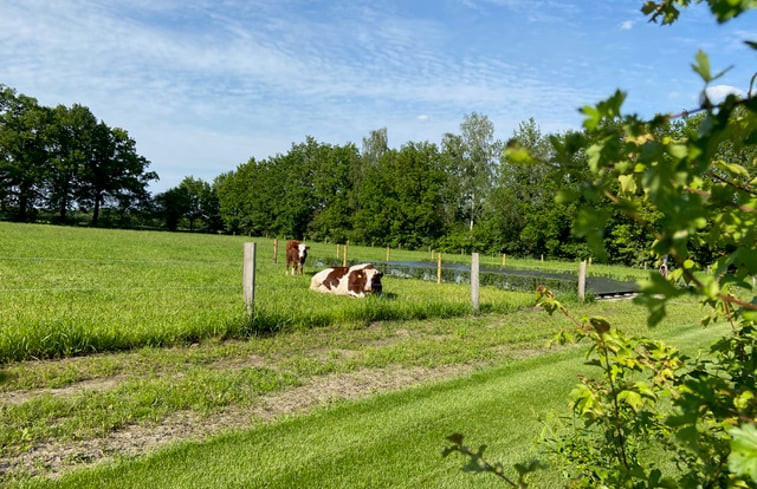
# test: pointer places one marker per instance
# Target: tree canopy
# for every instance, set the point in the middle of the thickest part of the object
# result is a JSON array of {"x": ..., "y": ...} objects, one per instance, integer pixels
[{"x": 63, "y": 158}]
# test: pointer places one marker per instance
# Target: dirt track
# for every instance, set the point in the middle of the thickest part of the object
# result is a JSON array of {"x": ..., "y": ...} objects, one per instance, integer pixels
[{"x": 55, "y": 458}]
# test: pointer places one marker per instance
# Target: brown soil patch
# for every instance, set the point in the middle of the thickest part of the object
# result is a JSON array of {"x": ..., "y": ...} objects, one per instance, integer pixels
[{"x": 19, "y": 397}]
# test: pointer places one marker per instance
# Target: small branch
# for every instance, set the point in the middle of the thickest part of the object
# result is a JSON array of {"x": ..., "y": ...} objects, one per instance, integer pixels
[
  {"x": 731, "y": 299},
  {"x": 708, "y": 196},
  {"x": 735, "y": 185},
  {"x": 701, "y": 108}
]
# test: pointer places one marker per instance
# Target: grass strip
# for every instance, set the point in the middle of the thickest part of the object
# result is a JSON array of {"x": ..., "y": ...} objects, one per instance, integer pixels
[{"x": 390, "y": 440}]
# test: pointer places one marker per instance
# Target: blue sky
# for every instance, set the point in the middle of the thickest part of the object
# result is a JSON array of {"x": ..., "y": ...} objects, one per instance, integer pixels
[{"x": 202, "y": 86}]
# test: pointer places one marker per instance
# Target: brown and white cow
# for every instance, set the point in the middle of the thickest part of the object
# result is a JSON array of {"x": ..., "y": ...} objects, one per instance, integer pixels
[
  {"x": 296, "y": 254},
  {"x": 354, "y": 281}
]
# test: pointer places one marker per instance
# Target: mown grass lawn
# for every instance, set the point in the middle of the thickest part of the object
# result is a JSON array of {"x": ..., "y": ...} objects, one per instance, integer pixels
[{"x": 392, "y": 440}]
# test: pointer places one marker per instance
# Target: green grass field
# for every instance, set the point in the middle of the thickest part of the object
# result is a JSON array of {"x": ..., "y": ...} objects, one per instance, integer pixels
[
  {"x": 73, "y": 291},
  {"x": 138, "y": 331}
]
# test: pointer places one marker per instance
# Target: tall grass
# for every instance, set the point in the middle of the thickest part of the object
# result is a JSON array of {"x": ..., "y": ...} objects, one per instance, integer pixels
[{"x": 73, "y": 291}]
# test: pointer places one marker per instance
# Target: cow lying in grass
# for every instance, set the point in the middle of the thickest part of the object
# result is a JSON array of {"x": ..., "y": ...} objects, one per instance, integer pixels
[
  {"x": 296, "y": 254},
  {"x": 354, "y": 281}
]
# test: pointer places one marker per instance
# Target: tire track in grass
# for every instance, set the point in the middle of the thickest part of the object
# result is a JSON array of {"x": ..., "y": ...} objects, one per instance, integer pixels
[{"x": 389, "y": 440}]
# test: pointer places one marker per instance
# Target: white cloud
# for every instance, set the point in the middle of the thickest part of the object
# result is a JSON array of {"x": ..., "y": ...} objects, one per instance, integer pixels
[
  {"x": 718, "y": 93},
  {"x": 204, "y": 85}
]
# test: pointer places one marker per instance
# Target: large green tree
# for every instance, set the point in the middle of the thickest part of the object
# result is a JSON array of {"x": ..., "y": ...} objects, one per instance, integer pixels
[
  {"x": 24, "y": 143},
  {"x": 194, "y": 201},
  {"x": 70, "y": 144},
  {"x": 402, "y": 198},
  {"x": 62, "y": 158},
  {"x": 334, "y": 179},
  {"x": 471, "y": 159},
  {"x": 114, "y": 170}
]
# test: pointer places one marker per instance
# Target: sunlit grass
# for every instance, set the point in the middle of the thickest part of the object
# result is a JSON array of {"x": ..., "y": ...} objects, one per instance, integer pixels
[
  {"x": 73, "y": 291},
  {"x": 390, "y": 440}
]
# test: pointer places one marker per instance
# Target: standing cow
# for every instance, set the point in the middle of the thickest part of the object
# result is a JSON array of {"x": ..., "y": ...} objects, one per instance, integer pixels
[
  {"x": 354, "y": 281},
  {"x": 296, "y": 254}
]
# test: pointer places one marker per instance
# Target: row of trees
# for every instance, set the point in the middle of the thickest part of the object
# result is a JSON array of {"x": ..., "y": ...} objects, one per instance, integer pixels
[
  {"x": 60, "y": 159},
  {"x": 466, "y": 194},
  {"x": 63, "y": 165},
  {"x": 461, "y": 195}
]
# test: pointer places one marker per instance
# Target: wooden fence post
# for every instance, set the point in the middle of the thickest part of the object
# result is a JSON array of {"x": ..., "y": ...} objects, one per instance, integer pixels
[
  {"x": 387, "y": 253},
  {"x": 439, "y": 268},
  {"x": 474, "y": 280},
  {"x": 344, "y": 253},
  {"x": 248, "y": 276},
  {"x": 275, "y": 250},
  {"x": 582, "y": 280},
  {"x": 337, "y": 251},
  {"x": 504, "y": 260}
]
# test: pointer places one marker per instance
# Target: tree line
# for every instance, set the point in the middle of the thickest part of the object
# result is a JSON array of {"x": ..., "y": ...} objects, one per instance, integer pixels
[
  {"x": 54, "y": 160},
  {"x": 465, "y": 194}
]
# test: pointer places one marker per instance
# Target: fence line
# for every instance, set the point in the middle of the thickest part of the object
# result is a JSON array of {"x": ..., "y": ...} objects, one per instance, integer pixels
[
  {"x": 114, "y": 260},
  {"x": 95, "y": 289},
  {"x": 264, "y": 288}
]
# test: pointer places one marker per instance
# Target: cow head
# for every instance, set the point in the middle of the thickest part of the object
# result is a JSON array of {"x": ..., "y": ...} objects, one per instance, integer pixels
[
  {"x": 363, "y": 279},
  {"x": 303, "y": 253}
]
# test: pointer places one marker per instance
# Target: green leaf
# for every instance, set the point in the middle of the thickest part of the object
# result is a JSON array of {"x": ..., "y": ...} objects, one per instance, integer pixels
[
  {"x": 519, "y": 155},
  {"x": 743, "y": 457},
  {"x": 702, "y": 66},
  {"x": 627, "y": 184},
  {"x": 631, "y": 398},
  {"x": 592, "y": 117},
  {"x": 688, "y": 435},
  {"x": 678, "y": 150}
]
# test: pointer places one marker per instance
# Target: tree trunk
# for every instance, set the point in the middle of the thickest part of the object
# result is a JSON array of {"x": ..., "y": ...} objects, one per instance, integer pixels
[
  {"x": 23, "y": 205},
  {"x": 96, "y": 209},
  {"x": 63, "y": 210}
]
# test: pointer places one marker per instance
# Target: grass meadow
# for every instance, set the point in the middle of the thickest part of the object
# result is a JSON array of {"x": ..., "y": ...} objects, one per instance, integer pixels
[
  {"x": 110, "y": 339},
  {"x": 74, "y": 291}
]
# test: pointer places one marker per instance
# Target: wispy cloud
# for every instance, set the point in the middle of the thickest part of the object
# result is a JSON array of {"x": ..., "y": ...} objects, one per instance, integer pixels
[{"x": 207, "y": 84}]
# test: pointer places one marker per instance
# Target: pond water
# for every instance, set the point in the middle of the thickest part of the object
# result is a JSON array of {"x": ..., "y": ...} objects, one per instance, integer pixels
[{"x": 600, "y": 286}]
